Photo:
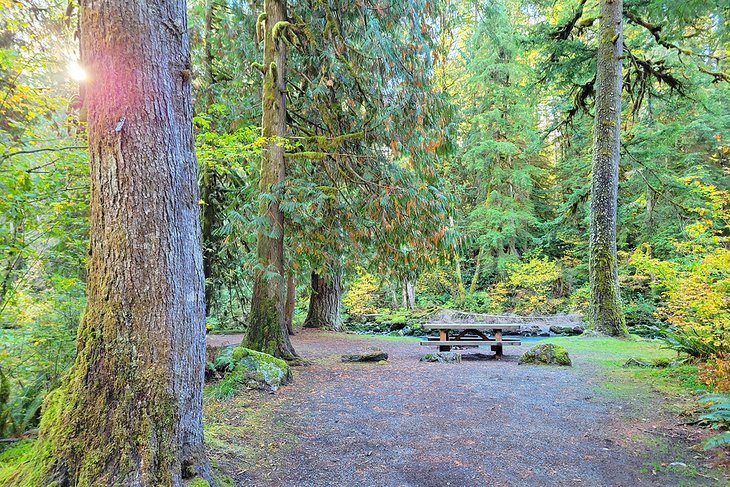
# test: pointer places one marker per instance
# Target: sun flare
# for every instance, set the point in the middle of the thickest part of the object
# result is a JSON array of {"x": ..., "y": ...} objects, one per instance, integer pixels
[{"x": 76, "y": 71}]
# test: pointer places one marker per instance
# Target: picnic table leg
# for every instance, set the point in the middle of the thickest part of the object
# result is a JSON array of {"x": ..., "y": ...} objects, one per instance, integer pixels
[
  {"x": 497, "y": 348},
  {"x": 444, "y": 336}
]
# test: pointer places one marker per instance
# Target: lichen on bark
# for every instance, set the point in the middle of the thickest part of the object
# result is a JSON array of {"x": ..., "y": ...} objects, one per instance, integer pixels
[{"x": 606, "y": 315}]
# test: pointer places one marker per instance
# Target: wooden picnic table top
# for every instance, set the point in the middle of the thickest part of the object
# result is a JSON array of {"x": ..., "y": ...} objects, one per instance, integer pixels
[{"x": 472, "y": 326}]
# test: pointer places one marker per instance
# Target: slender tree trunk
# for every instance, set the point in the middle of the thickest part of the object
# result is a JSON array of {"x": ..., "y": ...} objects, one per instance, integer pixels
[
  {"x": 208, "y": 180},
  {"x": 208, "y": 54},
  {"x": 475, "y": 277},
  {"x": 606, "y": 314},
  {"x": 459, "y": 279},
  {"x": 267, "y": 330},
  {"x": 409, "y": 294},
  {"x": 129, "y": 412},
  {"x": 208, "y": 223},
  {"x": 324, "y": 303},
  {"x": 291, "y": 295}
]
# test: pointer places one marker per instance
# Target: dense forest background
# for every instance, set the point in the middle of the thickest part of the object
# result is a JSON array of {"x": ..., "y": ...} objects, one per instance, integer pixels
[{"x": 438, "y": 155}]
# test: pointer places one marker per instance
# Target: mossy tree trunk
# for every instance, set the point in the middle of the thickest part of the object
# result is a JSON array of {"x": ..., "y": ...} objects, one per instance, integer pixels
[
  {"x": 606, "y": 314},
  {"x": 324, "y": 302},
  {"x": 130, "y": 410},
  {"x": 267, "y": 331}
]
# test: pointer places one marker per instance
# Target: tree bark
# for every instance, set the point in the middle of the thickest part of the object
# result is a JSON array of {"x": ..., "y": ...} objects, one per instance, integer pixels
[
  {"x": 606, "y": 313},
  {"x": 267, "y": 330},
  {"x": 208, "y": 223},
  {"x": 409, "y": 294},
  {"x": 130, "y": 410},
  {"x": 477, "y": 269},
  {"x": 324, "y": 303},
  {"x": 208, "y": 181},
  {"x": 459, "y": 280},
  {"x": 291, "y": 295}
]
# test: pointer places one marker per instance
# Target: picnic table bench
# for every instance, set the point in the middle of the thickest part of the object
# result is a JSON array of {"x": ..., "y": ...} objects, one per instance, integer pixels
[{"x": 471, "y": 335}]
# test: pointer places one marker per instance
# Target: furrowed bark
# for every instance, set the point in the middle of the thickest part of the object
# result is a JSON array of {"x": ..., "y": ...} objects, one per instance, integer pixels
[
  {"x": 606, "y": 313},
  {"x": 130, "y": 410},
  {"x": 324, "y": 303},
  {"x": 267, "y": 330}
]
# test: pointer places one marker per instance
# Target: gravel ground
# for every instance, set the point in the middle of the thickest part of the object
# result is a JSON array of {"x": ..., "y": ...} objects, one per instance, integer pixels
[{"x": 485, "y": 423}]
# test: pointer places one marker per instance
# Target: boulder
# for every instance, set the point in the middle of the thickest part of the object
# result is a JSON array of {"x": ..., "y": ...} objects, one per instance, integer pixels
[
  {"x": 442, "y": 357},
  {"x": 660, "y": 363},
  {"x": 261, "y": 368},
  {"x": 567, "y": 330},
  {"x": 370, "y": 354},
  {"x": 546, "y": 354},
  {"x": 530, "y": 330}
]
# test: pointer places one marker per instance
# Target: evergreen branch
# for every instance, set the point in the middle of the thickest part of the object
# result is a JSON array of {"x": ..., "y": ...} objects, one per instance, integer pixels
[
  {"x": 563, "y": 32},
  {"x": 655, "y": 31},
  {"x": 45, "y": 149},
  {"x": 716, "y": 75}
]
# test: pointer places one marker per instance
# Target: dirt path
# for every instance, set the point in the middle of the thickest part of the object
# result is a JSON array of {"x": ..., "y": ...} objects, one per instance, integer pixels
[{"x": 488, "y": 423}]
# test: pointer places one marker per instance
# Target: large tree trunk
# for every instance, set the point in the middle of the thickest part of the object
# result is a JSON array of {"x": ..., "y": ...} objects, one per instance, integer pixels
[
  {"x": 267, "y": 326},
  {"x": 130, "y": 410},
  {"x": 606, "y": 314},
  {"x": 324, "y": 303}
]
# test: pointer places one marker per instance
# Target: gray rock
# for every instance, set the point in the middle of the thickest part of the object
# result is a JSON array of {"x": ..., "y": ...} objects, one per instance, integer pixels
[
  {"x": 442, "y": 357},
  {"x": 530, "y": 330},
  {"x": 370, "y": 354},
  {"x": 567, "y": 330}
]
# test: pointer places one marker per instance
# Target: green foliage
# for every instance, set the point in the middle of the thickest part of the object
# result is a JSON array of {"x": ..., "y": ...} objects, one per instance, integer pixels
[
  {"x": 694, "y": 285},
  {"x": 436, "y": 286},
  {"x": 718, "y": 418}
]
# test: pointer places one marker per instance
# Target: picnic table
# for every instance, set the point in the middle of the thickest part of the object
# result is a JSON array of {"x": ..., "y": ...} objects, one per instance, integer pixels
[{"x": 471, "y": 335}]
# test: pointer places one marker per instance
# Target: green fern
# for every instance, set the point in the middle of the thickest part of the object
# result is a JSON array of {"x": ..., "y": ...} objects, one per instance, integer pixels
[
  {"x": 718, "y": 417},
  {"x": 717, "y": 440}
]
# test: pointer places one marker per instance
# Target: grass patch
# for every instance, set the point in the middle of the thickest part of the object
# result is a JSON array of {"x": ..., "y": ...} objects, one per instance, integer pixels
[
  {"x": 363, "y": 336},
  {"x": 610, "y": 354}
]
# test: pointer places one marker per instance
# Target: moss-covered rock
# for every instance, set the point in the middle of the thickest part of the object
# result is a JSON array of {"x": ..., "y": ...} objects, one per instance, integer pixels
[
  {"x": 265, "y": 368},
  {"x": 254, "y": 370},
  {"x": 546, "y": 354},
  {"x": 659, "y": 362}
]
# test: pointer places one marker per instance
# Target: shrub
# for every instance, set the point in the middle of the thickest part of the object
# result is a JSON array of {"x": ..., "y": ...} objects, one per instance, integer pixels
[
  {"x": 436, "y": 286},
  {"x": 536, "y": 285},
  {"x": 362, "y": 296}
]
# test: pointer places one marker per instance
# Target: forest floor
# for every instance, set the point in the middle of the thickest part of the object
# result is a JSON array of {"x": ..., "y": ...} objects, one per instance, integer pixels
[{"x": 477, "y": 423}]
